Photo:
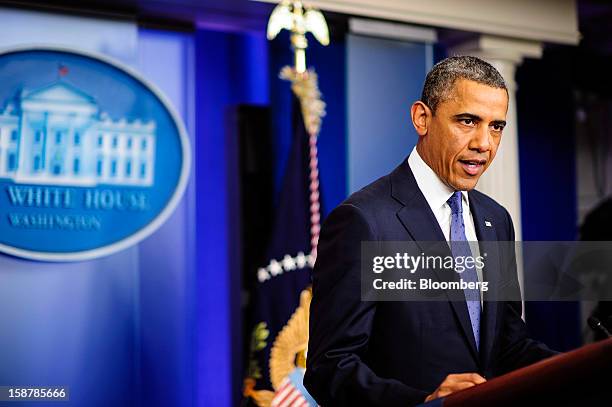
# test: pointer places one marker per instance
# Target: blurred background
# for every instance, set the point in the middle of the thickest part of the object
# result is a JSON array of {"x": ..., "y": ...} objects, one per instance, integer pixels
[{"x": 170, "y": 321}]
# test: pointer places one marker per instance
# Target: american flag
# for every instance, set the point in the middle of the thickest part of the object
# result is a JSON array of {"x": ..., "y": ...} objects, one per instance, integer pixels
[{"x": 292, "y": 393}]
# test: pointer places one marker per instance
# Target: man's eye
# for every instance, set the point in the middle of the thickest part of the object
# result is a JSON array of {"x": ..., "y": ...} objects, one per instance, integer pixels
[
  {"x": 498, "y": 127},
  {"x": 468, "y": 122}
]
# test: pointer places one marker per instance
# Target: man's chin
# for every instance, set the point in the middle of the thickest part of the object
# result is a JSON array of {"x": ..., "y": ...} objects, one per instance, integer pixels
[{"x": 462, "y": 184}]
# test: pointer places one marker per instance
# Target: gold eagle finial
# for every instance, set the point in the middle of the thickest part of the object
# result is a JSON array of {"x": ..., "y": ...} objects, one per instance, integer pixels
[{"x": 292, "y": 16}]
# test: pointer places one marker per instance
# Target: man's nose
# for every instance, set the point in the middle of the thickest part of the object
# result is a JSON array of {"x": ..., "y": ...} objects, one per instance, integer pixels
[{"x": 481, "y": 141}]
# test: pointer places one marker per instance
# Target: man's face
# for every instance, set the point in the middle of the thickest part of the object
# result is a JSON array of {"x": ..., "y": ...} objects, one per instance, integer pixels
[{"x": 461, "y": 139}]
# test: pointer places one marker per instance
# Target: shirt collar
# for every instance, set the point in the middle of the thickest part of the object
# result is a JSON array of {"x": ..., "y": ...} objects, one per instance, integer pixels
[{"x": 435, "y": 191}]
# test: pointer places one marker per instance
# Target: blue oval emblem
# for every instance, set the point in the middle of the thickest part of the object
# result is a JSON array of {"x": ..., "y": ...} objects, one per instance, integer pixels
[{"x": 92, "y": 158}]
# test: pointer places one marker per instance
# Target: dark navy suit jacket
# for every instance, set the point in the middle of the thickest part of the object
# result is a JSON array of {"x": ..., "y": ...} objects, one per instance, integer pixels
[{"x": 396, "y": 353}]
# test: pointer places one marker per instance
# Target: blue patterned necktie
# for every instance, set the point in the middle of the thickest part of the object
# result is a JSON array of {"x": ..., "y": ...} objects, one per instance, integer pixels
[{"x": 460, "y": 248}]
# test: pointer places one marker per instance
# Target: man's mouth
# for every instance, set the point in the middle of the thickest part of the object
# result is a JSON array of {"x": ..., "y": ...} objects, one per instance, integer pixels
[{"x": 473, "y": 167}]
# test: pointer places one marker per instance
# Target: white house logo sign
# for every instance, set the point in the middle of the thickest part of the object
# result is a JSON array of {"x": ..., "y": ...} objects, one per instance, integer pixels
[{"x": 92, "y": 158}]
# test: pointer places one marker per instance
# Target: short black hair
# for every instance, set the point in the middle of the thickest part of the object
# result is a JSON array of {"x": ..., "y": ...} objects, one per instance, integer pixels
[{"x": 440, "y": 80}]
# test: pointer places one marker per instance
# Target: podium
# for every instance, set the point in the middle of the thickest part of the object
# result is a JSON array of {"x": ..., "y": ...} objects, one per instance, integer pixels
[{"x": 578, "y": 378}]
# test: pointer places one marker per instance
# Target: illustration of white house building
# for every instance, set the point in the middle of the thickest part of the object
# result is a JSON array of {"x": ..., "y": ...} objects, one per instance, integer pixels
[{"x": 58, "y": 135}]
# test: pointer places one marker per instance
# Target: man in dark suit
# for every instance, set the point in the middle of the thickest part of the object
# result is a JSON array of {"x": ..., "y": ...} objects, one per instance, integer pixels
[{"x": 404, "y": 353}]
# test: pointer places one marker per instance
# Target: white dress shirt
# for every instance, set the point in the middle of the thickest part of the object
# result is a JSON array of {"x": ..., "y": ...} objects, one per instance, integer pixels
[{"x": 436, "y": 194}]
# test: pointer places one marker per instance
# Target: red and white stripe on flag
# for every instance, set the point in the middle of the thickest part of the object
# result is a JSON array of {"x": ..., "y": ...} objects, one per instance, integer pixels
[{"x": 288, "y": 396}]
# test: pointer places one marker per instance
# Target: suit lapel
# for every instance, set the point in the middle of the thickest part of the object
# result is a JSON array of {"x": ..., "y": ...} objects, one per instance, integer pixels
[
  {"x": 418, "y": 219},
  {"x": 485, "y": 231}
]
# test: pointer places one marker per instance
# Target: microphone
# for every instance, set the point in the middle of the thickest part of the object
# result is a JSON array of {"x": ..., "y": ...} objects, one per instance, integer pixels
[{"x": 596, "y": 325}]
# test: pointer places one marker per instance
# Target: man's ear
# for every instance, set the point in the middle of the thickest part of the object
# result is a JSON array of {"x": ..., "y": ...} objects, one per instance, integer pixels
[{"x": 420, "y": 114}]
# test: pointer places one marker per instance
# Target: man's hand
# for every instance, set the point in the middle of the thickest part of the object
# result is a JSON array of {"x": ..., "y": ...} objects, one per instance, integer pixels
[{"x": 456, "y": 382}]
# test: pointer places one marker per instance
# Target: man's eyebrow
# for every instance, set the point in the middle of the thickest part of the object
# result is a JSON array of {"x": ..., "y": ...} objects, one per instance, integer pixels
[
  {"x": 477, "y": 118},
  {"x": 466, "y": 115},
  {"x": 499, "y": 123}
]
